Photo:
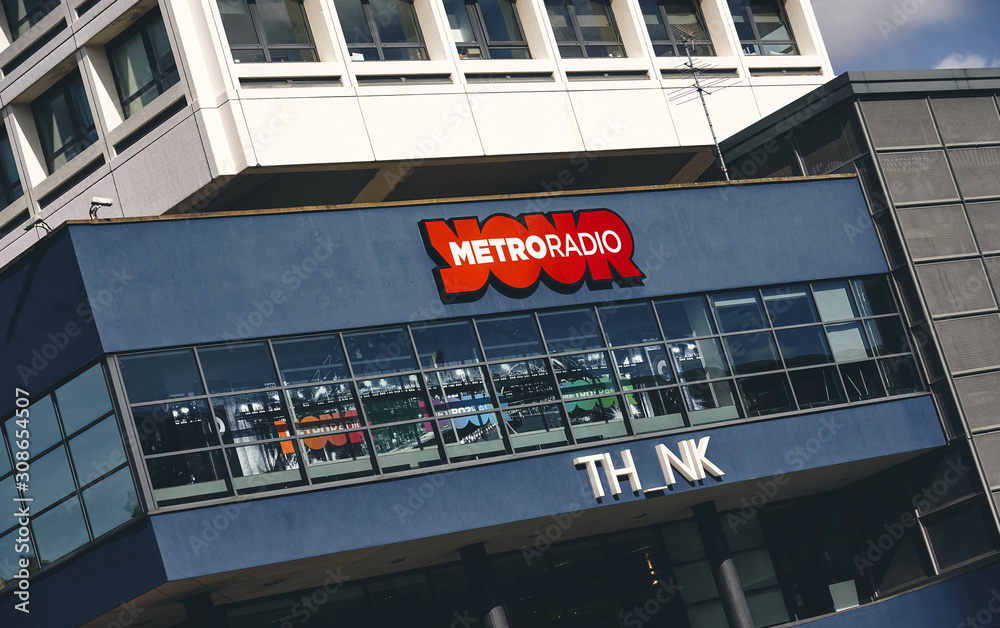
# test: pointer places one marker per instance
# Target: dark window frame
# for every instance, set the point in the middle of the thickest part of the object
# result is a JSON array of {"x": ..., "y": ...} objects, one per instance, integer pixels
[
  {"x": 36, "y": 10},
  {"x": 680, "y": 47},
  {"x": 80, "y": 133},
  {"x": 579, "y": 41},
  {"x": 10, "y": 191},
  {"x": 758, "y": 42},
  {"x": 482, "y": 35},
  {"x": 163, "y": 78},
  {"x": 376, "y": 42},
  {"x": 263, "y": 44}
]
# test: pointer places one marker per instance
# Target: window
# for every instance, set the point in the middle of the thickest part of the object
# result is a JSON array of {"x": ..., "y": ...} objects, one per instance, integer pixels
[
  {"x": 23, "y": 14},
  {"x": 10, "y": 183},
  {"x": 381, "y": 30},
  {"x": 584, "y": 28},
  {"x": 486, "y": 29},
  {"x": 267, "y": 31},
  {"x": 762, "y": 27},
  {"x": 65, "y": 124},
  {"x": 674, "y": 26},
  {"x": 142, "y": 63}
]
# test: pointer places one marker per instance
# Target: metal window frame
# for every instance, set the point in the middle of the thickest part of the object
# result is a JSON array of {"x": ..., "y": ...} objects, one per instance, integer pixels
[
  {"x": 79, "y": 132},
  {"x": 680, "y": 47},
  {"x": 161, "y": 76},
  {"x": 758, "y": 42},
  {"x": 34, "y": 13},
  {"x": 482, "y": 35},
  {"x": 579, "y": 41},
  {"x": 262, "y": 44},
  {"x": 378, "y": 45}
]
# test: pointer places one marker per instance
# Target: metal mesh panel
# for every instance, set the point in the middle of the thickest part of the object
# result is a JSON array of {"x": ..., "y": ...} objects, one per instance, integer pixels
[
  {"x": 988, "y": 449},
  {"x": 775, "y": 158},
  {"x": 985, "y": 219},
  {"x": 993, "y": 272},
  {"x": 967, "y": 120},
  {"x": 977, "y": 171},
  {"x": 936, "y": 231},
  {"x": 970, "y": 343},
  {"x": 831, "y": 141},
  {"x": 900, "y": 123},
  {"x": 978, "y": 395},
  {"x": 922, "y": 177},
  {"x": 955, "y": 287}
]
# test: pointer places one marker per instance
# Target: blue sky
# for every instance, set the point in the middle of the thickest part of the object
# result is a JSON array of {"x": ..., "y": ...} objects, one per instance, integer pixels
[{"x": 910, "y": 34}]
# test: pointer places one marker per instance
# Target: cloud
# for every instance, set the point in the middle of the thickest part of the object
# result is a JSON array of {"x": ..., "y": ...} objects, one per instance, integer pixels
[{"x": 958, "y": 60}]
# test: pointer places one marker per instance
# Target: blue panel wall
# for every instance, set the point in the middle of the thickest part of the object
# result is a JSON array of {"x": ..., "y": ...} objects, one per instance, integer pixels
[
  {"x": 204, "y": 280},
  {"x": 193, "y": 544}
]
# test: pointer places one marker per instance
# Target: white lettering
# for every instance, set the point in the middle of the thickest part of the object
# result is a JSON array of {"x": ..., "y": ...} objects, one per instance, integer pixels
[
  {"x": 461, "y": 253},
  {"x": 482, "y": 249}
]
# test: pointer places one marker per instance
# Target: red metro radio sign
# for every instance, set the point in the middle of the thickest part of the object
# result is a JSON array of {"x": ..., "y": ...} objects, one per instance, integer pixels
[{"x": 561, "y": 249}]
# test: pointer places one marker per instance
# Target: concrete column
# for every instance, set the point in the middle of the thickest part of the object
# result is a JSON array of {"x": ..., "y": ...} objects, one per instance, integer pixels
[
  {"x": 723, "y": 567},
  {"x": 485, "y": 591}
]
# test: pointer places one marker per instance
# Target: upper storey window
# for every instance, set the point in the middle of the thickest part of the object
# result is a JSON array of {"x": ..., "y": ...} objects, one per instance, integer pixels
[
  {"x": 674, "y": 26},
  {"x": 266, "y": 31},
  {"x": 381, "y": 30},
  {"x": 65, "y": 124},
  {"x": 762, "y": 27},
  {"x": 10, "y": 183},
  {"x": 142, "y": 63},
  {"x": 486, "y": 29},
  {"x": 23, "y": 14},
  {"x": 584, "y": 28}
]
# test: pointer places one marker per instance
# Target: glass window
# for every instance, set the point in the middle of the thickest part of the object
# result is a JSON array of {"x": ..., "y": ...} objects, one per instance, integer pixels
[
  {"x": 409, "y": 446},
  {"x": 51, "y": 479},
  {"x": 509, "y": 336},
  {"x": 23, "y": 14},
  {"x": 266, "y": 31},
  {"x": 236, "y": 367},
  {"x": 874, "y": 297},
  {"x": 458, "y": 391},
  {"x": 596, "y": 419},
  {"x": 381, "y": 30},
  {"x": 392, "y": 399},
  {"x": 376, "y": 352},
  {"x": 848, "y": 341},
  {"x": 834, "y": 301},
  {"x": 584, "y": 28},
  {"x": 310, "y": 360},
  {"x": 570, "y": 330},
  {"x": 42, "y": 427},
  {"x": 65, "y": 124},
  {"x": 900, "y": 375},
  {"x": 446, "y": 344},
  {"x": 762, "y": 27},
  {"x": 766, "y": 394},
  {"x": 739, "y": 311},
  {"x": 698, "y": 359},
  {"x": 111, "y": 502},
  {"x": 804, "y": 346},
  {"x": 486, "y": 29},
  {"x": 142, "y": 63},
  {"x": 862, "y": 381},
  {"x": 160, "y": 375},
  {"x": 817, "y": 387},
  {"x": 188, "y": 477},
  {"x": 264, "y": 466},
  {"x": 527, "y": 381},
  {"x": 249, "y": 417},
  {"x": 674, "y": 27},
  {"x": 629, "y": 324},
  {"x": 340, "y": 456},
  {"x": 655, "y": 410},
  {"x": 175, "y": 426},
  {"x": 584, "y": 375},
  {"x": 752, "y": 353},
  {"x": 10, "y": 182},
  {"x": 471, "y": 436},
  {"x": 536, "y": 427},
  {"x": 684, "y": 318},
  {"x": 83, "y": 399},
  {"x": 60, "y": 530},
  {"x": 790, "y": 305},
  {"x": 709, "y": 402},
  {"x": 643, "y": 367},
  {"x": 97, "y": 451},
  {"x": 887, "y": 335},
  {"x": 321, "y": 410},
  {"x": 960, "y": 534}
]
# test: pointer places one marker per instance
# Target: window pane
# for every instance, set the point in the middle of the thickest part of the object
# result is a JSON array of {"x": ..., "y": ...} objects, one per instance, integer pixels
[
  {"x": 312, "y": 359},
  {"x": 500, "y": 18},
  {"x": 596, "y": 23},
  {"x": 790, "y": 305},
  {"x": 321, "y": 410},
  {"x": 848, "y": 342},
  {"x": 509, "y": 336},
  {"x": 175, "y": 426},
  {"x": 739, "y": 311},
  {"x": 51, "y": 479},
  {"x": 249, "y": 417},
  {"x": 445, "y": 344},
  {"x": 160, "y": 375},
  {"x": 768, "y": 19},
  {"x": 562, "y": 27},
  {"x": 459, "y": 23},
  {"x": 83, "y": 399},
  {"x": 537, "y": 427},
  {"x": 396, "y": 21},
  {"x": 570, "y": 330},
  {"x": 766, "y": 394},
  {"x": 594, "y": 419},
  {"x": 834, "y": 301},
  {"x": 698, "y": 359},
  {"x": 384, "y": 351},
  {"x": 403, "y": 447},
  {"x": 341, "y": 455},
  {"x": 59, "y": 531},
  {"x": 236, "y": 367},
  {"x": 163, "y": 56},
  {"x": 471, "y": 436},
  {"x": 132, "y": 71},
  {"x": 862, "y": 381},
  {"x": 655, "y": 410},
  {"x": 643, "y": 367},
  {"x": 457, "y": 391},
  {"x": 887, "y": 335},
  {"x": 752, "y": 353},
  {"x": 9, "y": 559},
  {"x": 237, "y": 22},
  {"x": 710, "y": 402},
  {"x": 684, "y": 21},
  {"x": 804, "y": 346},
  {"x": 874, "y": 297},
  {"x": 900, "y": 375},
  {"x": 41, "y": 425},
  {"x": 961, "y": 533},
  {"x": 817, "y": 387},
  {"x": 97, "y": 451},
  {"x": 264, "y": 466},
  {"x": 528, "y": 381},
  {"x": 584, "y": 374},
  {"x": 8, "y": 167},
  {"x": 392, "y": 399},
  {"x": 111, "y": 502},
  {"x": 683, "y": 542},
  {"x": 284, "y": 22},
  {"x": 629, "y": 324},
  {"x": 654, "y": 23},
  {"x": 741, "y": 19},
  {"x": 188, "y": 477},
  {"x": 352, "y": 20}
]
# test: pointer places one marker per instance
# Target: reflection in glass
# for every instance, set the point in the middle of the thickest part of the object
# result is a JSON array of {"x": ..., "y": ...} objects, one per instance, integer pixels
[
  {"x": 790, "y": 305},
  {"x": 236, "y": 367},
  {"x": 596, "y": 418},
  {"x": 804, "y": 346},
  {"x": 381, "y": 30},
  {"x": 310, "y": 360},
  {"x": 887, "y": 335},
  {"x": 643, "y": 367},
  {"x": 264, "y": 466},
  {"x": 322, "y": 410},
  {"x": 655, "y": 410},
  {"x": 900, "y": 375},
  {"x": 817, "y": 387},
  {"x": 571, "y": 330},
  {"x": 509, "y": 336},
  {"x": 9, "y": 559},
  {"x": 446, "y": 344},
  {"x": 60, "y": 530},
  {"x": 739, "y": 311},
  {"x": 175, "y": 426},
  {"x": 874, "y": 297},
  {"x": 391, "y": 399},
  {"x": 684, "y": 318},
  {"x": 457, "y": 391},
  {"x": 111, "y": 502},
  {"x": 83, "y": 399},
  {"x": 528, "y": 381},
  {"x": 698, "y": 359},
  {"x": 711, "y": 401},
  {"x": 249, "y": 417},
  {"x": 766, "y": 394},
  {"x": 862, "y": 381},
  {"x": 376, "y": 352},
  {"x": 537, "y": 427},
  {"x": 187, "y": 477},
  {"x": 584, "y": 375},
  {"x": 339, "y": 456},
  {"x": 40, "y": 428},
  {"x": 752, "y": 353},
  {"x": 834, "y": 300},
  {"x": 160, "y": 375},
  {"x": 51, "y": 479},
  {"x": 410, "y": 446},
  {"x": 628, "y": 324},
  {"x": 848, "y": 342},
  {"x": 97, "y": 451},
  {"x": 471, "y": 436}
]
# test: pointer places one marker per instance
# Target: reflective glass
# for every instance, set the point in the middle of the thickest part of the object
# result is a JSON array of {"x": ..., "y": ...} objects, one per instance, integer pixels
[
  {"x": 51, "y": 479},
  {"x": 528, "y": 381},
  {"x": 8, "y": 493},
  {"x": 584, "y": 375},
  {"x": 848, "y": 342},
  {"x": 236, "y": 367},
  {"x": 683, "y": 542},
  {"x": 834, "y": 301},
  {"x": 817, "y": 387},
  {"x": 237, "y": 22},
  {"x": 284, "y": 22},
  {"x": 83, "y": 399},
  {"x": 309, "y": 360},
  {"x": 60, "y": 531},
  {"x": 887, "y": 335},
  {"x": 376, "y": 352},
  {"x": 537, "y": 427},
  {"x": 458, "y": 391},
  {"x": 874, "y": 296},
  {"x": 500, "y": 19},
  {"x": 396, "y": 21},
  {"x": 321, "y": 410},
  {"x": 41, "y": 426},
  {"x": 684, "y": 19},
  {"x": 900, "y": 375},
  {"x": 509, "y": 336},
  {"x": 459, "y": 23},
  {"x": 739, "y": 311},
  {"x": 752, "y": 353},
  {"x": 176, "y": 426},
  {"x": 741, "y": 19},
  {"x": 643, "y": 367},
  {"x": 596, "y": 23},
  {"x": 111, "y": 502},
  {"x": 353, "y": 21},
  {"x": 629, "y": 324},
  {"x": 654, "y": 21},
  {"x": 790, "y": 305},
  {"x": 391, "y": 399},
  {"x": 698, "y": 359},
  {"x": 249, "y": 417},
  {"x": 596, "y": 418},
  {"x": 710, "y": 401},
  {"x": 160, "y": 375},
  {"x": 862, "y": 381},
  {"x": 766, "y": 394},
  {"x": 471, "y": 436},
  {"x": 562, "y": 26},
  {"x": 264, "y": 466},
  {"x": 340, "y": 455},
  {"x": 655, "y": 410},
  {"x": 188, "y": 477},
  {"x": 410, "y": 446},
  {"x": 446, "y": 344},
  {"x": 97, "y": 451},
  {"x": 571, "y": 330},
  {"x": 804, "y": 346},
  {"x": 9, "y": 559}
]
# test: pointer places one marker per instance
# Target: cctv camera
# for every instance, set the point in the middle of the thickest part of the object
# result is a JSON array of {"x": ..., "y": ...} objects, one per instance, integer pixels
[{"x": 101, "y": 201}]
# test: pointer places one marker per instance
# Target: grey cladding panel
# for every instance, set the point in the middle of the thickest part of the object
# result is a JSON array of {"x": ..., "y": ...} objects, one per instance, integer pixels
[
  {"x": 967, "y": 120},
  {"x": 955, "y": 287},
  {"x": 980, "y": 399},
  {"x": 831, "y": 141},
  {"x": 918, "y": 177},
  {"x": 993, "y": 272},
  {"x": 977, "y": 171},
  {"x": 988, "y": 448},
  {"x": 985, "y": 219},
  {"x": 936, "y": 231},
  {"x": 900, "y": 123},
  {"x": 970, "y": 343}
]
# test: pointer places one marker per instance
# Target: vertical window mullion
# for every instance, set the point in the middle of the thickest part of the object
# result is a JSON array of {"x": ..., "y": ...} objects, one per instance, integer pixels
[
  {"x": 259, "y": 29},
  {"x": 478, "y": 28}
]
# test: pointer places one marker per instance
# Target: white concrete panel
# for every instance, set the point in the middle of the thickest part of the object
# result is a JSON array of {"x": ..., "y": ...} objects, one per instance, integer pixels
[
  {"x": 526, "y": 122},
  {"x": 731, "y": 108},
  {"x": 620, "y": 119},
  {"x": 226, "y": 139},
  {"x": 774, "y": 97},
  {"x": 76, "y": 204},
  {"x": 307, "y": 130},
  {"x": 418, "y": 127},
  {"x": 177, "y": 158}
]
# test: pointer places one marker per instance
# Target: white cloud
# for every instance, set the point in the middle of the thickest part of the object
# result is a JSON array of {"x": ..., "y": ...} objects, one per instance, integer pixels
[{"x": 958, "y": 60}]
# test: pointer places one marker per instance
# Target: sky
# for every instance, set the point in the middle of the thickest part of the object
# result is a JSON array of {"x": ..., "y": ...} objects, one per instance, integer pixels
[{"x": 910, "y": 34}]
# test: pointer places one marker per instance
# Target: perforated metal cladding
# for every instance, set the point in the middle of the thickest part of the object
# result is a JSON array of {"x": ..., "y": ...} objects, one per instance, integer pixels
[
  {"x": 970, "y": 343},
  {"x": 985, "y": 220},
  {"x": 993, "y": 272},
  {"x": 900, "y": 123},
  {"x": 936, "y": 231},
  {"x": 918, "y": 177},
  {"x": 773, "y": 159},
  {"x": 977, "y": 171},
  {"x": 988, "y": 449},
  {"x": 967, "y": 120},
  {"x": 831, "y": 141},
  {"x": 978, "y": 395},
  {"x": 955, "y": 287}
]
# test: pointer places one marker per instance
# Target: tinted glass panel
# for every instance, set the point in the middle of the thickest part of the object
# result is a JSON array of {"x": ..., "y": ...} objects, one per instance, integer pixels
[
  {"x": 264, "y": 466},
  {"x": 97, "y": 451},
  {"x": 338, "y": 456},
  {"x": 710, "y": 401},
  {"x": 384, "y": 351},
  {"x": 739, "y": 311},
  {"x": 188, "y": 477},
  {"x": 655, "y": 410},
  {"x": 570, "y": 331},
  {"x": 629, "y": 324},
  {"x": 237, "y": 22},
  {"x": 862, "y": 381},
  {"x": 236, "y": 367},
  {"x": 111, "y": 502},
  {"x": 410, "y": 446},
  {"x": 584, "y": 374},
  {"x": 817, "y": 387},
  {"x": 457, "y": 391},
  {"x": 536, "y": 427},
  {"x": 313, "y": 359},
  {"x": 51, "y": 479},
  {"x": 161, "y": 375},
  {"x": 874, "y": 297},
  {"x": 643, "y": 367},
  {"x": 60, "y": 530},
  {"x": 804, "y": 346},
  {"x": 834, "y": 300},
  {"x": 961, "y": 534},
  {"x": 887, "y": 335},
  {"x": 392, "y": 399},
  {"x": 766, "y": 394},
  {"x": 752, "y": 353},
  {"x": 900, "y": 374},
  {"x": 848, "y": 342},
  {"x": 175, "y": 426},
  {"x": 528, "y": 381},
  {"x": 790, "y": 305},
  {"x": 41, "y": 427},
  {"x": 249, "y": 417},
  {"x": 509, "y": 336},
  {"x": 83, "y": 399},
  {"x": 320, "y": 410},
  {"x": 445, "y": 344},
  {"x": 698, "y": 359}
]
